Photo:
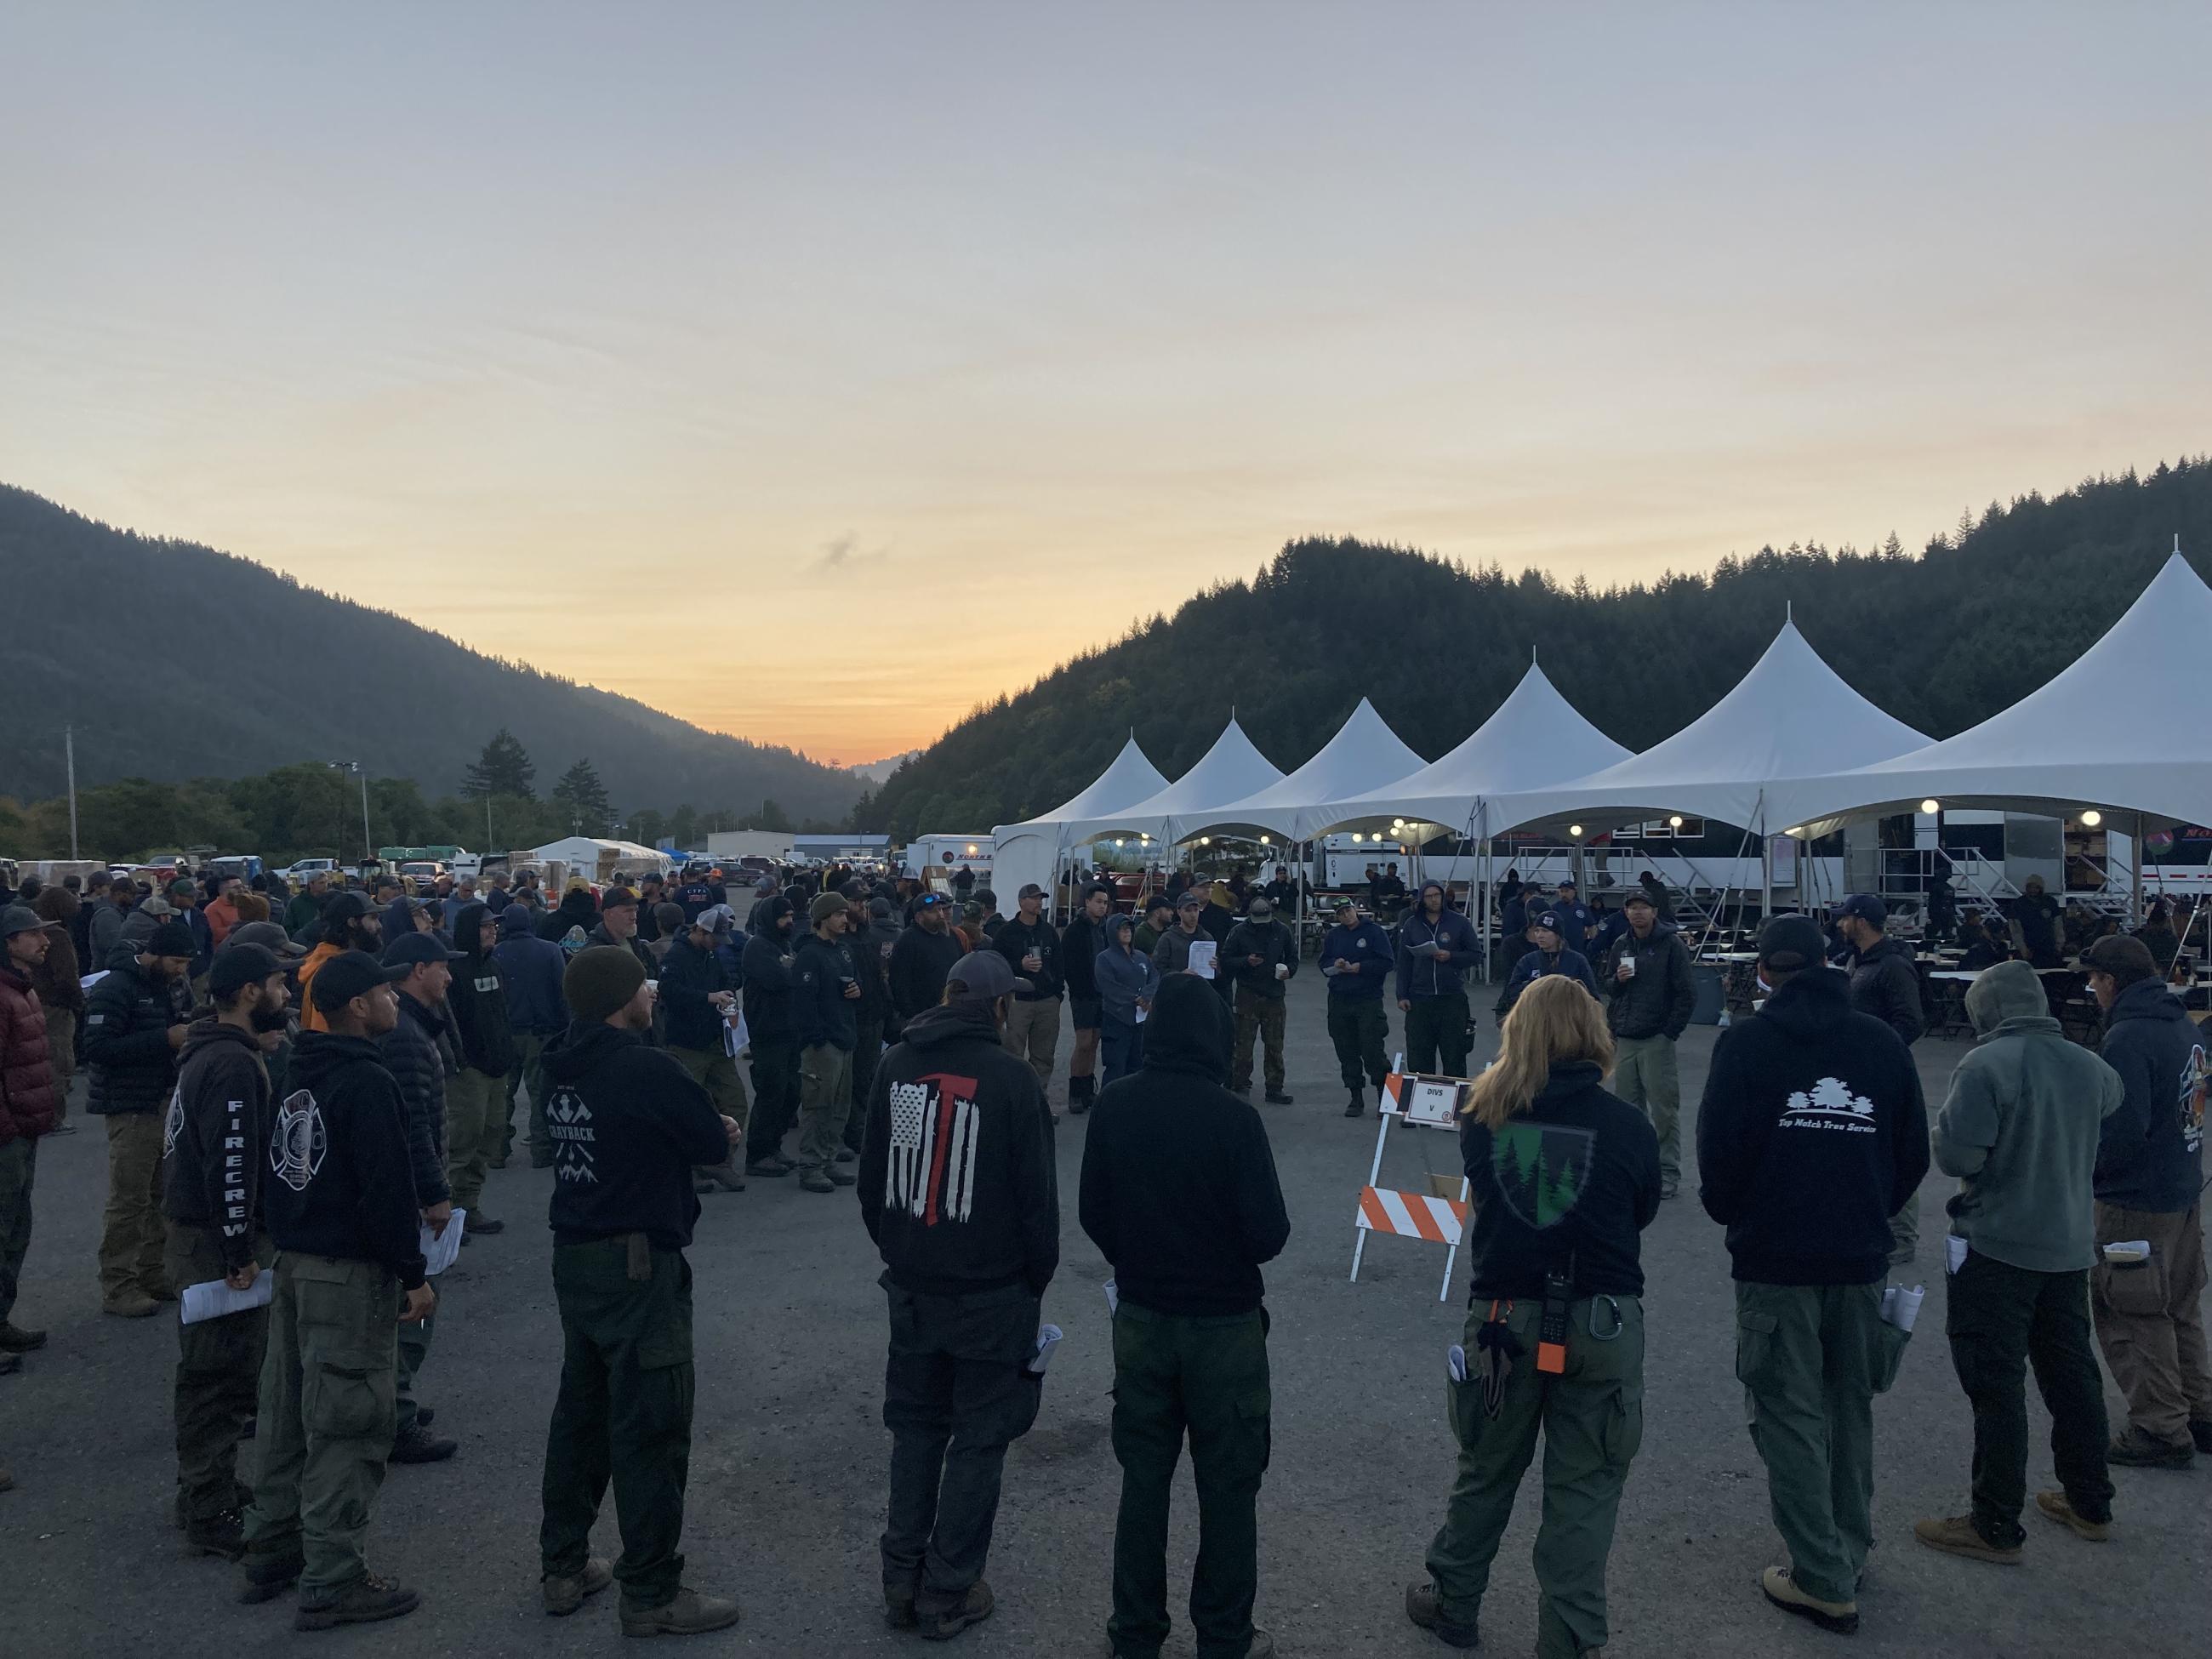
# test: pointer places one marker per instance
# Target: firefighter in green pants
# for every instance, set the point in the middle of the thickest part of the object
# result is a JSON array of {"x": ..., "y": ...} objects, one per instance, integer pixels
[
  {"x": 1648, "y": 997},
  {"x": 339, "y": 1201},
  {"x": 628, "y": 1126},
  {"x": 1564, "y": 1178},
  {"x": 1812, "y": 1133}
]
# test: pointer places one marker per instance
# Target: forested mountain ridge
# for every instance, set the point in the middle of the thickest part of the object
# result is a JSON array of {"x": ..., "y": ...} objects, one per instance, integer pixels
[
  {"x": 176, "y": 661},
  {"x": 1941, "y": 640}
]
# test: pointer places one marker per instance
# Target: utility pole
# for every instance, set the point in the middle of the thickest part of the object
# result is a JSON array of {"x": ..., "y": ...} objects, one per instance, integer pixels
[
  {"x": 68, "y": 748},
  {"x": 367, "y": 846}
]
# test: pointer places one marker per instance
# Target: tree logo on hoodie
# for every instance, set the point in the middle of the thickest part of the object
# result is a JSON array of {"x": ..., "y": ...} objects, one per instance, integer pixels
[
  {"x": 1542, "y": 1168},
  {"x": 298, "y": 1143},
  {"x": 1829, "y": 1104}
]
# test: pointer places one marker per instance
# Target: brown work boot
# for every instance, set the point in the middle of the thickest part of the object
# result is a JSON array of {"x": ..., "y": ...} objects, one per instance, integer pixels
[
  {"x": 364, "y": 1601},
  {"x": 130, "y": 1304},
  {"x": 689, "y": 1614},
  {"x": 563, "y": 1595},
  {"x": 1424, "y": 1609},
  {"x": 1957, "y": 1534},
  {"x": 1782, "y": 1589},
  {"x": 13, "y": 1339},
  {"x": 725, "y": 1176},
  {"x": 2134, "y": 1449},
  {"x": 973, "y": 1609},
  {"x": 2054, "y": 1504}
]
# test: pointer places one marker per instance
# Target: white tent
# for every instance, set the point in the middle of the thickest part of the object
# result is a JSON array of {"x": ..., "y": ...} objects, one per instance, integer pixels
[
  {"x": 1745, "y": 760},
  {"x": 2119, "y": 728},
  {"x": 1229, "y": 771},
  {"x": 1028, "y": 852},
  {"x": 1534, "y": 738},
  {"x": 594, "y": 859},
  {"x": 1364, "y": 751}
]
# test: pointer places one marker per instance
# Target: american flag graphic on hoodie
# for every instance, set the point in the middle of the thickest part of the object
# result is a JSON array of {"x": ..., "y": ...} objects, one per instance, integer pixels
[{"x": 934, "y": 1126}]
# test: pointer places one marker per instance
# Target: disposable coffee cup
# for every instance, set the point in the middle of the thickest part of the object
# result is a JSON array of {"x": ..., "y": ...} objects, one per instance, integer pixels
[
  {"x": 653, "y": 986},
  {"x": 1628, "y": 966},
  {"x": 1282, "y": 970}
]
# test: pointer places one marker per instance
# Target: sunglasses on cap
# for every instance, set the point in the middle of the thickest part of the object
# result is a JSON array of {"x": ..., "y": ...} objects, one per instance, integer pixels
[{"x": 931, "y": 901}]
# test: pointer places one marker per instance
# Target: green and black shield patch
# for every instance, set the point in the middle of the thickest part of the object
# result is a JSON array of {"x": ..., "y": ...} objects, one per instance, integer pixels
[{"x": 1542, "y": 1168}]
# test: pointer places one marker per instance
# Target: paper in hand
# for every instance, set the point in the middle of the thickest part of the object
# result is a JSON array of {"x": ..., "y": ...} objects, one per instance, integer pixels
[
  {"x": 216, "y": 1298},
  {"x": 440, "y": 1253}
]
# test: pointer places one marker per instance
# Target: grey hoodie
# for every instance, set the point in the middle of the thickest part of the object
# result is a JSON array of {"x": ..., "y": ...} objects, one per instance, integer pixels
[{"x": 2020, "y": 1128}]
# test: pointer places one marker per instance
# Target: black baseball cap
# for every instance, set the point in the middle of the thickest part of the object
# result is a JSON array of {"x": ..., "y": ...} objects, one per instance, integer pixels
[
  {"x": 1867, "y": 908},
  {"x": 237, "y": 966},
  {"x": 347, "y": 975},
  {"x": 982, "y": 976},
  {"x": 408, "y": 948},
  {"x": 350, "y": 904},
  {"x": 1792, "y": 942}
]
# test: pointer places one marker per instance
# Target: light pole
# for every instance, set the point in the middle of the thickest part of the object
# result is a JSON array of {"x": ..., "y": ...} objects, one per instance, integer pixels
[{"x": 368, "y": 847}]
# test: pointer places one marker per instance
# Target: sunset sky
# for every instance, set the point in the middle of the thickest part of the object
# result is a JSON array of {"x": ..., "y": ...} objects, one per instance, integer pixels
[{"x": 813, "y": 371}]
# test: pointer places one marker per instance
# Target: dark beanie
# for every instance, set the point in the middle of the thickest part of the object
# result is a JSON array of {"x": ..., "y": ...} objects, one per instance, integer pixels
[
  {"x": 171, "y": 939},
  {"x": 599, "y": 980}
]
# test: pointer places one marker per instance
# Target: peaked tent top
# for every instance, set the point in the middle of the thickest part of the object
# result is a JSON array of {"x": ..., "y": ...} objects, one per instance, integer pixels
[
  {"x": 1364, "y": 751},
  {"x": 2117, "y": 728},
  {"x": 1534, "y": 738},
  {"x": 1792, "y": 717},
  {"x": 1130, "y": 777},
  {"x": 1229, "y": 770}
]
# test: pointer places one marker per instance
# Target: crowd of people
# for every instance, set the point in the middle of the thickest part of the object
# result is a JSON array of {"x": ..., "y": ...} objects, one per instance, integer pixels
[{"x": 303, "y": 1093}]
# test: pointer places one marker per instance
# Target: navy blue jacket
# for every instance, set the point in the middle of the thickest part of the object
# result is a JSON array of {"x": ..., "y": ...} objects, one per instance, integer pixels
[
  {"x": 1423, "y": 976},
  {"x": 687, "y": 978},
  {"x": 1575, "y": 921},
  {"x": 2149, "y": 1153},
  {"x": 1367, "y": 948},
  {"x": 532, "y": 968},
  {"x": 1534, "y": 966}
]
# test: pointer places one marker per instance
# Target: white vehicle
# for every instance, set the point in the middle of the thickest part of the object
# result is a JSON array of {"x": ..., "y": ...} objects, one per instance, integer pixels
[{"x": 307, "y": 868}]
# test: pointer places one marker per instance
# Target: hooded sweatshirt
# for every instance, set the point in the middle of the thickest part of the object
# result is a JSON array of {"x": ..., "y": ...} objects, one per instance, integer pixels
[
  {"x": 768, "y": 981},
  {"x": 1421, "y": 972},
  {"x": 2019, "y": 1126},
  {"x": 1122, "y": 973},
  {"x": 338, "y": 1183},
  {"x": 822, "y": 1015},
  {"x": 2153, "y": 1146},
  {"x": 217, "y": 1140},
  {"x": 920, "y": 961},
  {"x": 1569, "y": 1183},
  {"x": 958, "y": 1185},
  {"x": 530, "y": 971},
  {"x": 1179, "y": 1190},
  {"x": 478, "y": 997},
  {"x": 628, "y": 1125},
  {"x": 1812, "y": 1133},
  {"x": 576, "y": 909}
]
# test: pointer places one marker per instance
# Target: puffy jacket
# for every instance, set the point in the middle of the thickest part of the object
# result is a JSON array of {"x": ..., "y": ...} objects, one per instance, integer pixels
[
  {"x": 1886, "y": 984},
  {"x": 2149, "y": 1156},
  {"x": 418, "y": 1053},
  {"x": 28, "y": 1099},
  {"x": 687, "y": 977},
  {"x": 1658, "y": 999},
  {"x": 1270, "y": 941},
  {"x": 1420, "y": 974},
  {"x": 531, "y": 970},
  {"x": 125, "y": 1046}
]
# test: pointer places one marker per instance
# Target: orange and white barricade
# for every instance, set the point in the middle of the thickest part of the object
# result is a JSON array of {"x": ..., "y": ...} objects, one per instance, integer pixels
[{"x": 1421, "y": 1102}]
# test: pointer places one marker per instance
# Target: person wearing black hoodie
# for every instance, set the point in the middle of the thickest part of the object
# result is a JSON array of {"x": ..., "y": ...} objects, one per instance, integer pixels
[
  {"x": 1031, "y": 946},
  {"x": 1811, "y": 1135},
  {"x": 768, "y": 962},
  {"x": 925, "y": 951},
  {"x": 698, "y": 1003},
  {"x": 1179, "y": 1193},
  {"x": 2149, "y": 1189},
  {"x": 576, "y": 910},
  {"x": 476, "y": 1120},
  {"x": 959, "y": 1192},
  {"x": 340, "y": 1204},
  {"x": 217, "y": 1141},
  {"x": 1080, "y": 942},
  {"x": 629, "y": 1126}
]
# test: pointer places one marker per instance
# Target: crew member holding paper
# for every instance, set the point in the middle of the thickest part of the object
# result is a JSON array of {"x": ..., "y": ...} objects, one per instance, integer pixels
[
  {"x": 1356, "y": 959},
  {"x": 1565, "y": 1178},
  {"x": 697, "y": 1004},
  {"x": 1812, "y": 1133},
  {"x": 340, "y": 1204},
  {"x": 959, "y": 1192},
  {"x": 1172, "y": 954},
  {"x": 628, "y": 1124},
  {"x": 217, "y": 1148},
  {"x": 2020, "y": 1128},
  {"x": 1435, "y": 947},
  {"x": 2149, "y": 1186},
  {"x": 1261, "y": 956}
]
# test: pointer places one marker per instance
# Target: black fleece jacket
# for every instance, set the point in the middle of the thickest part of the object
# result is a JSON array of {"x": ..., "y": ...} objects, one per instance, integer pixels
[
  {"x": 768, "y": 981},
  {"x": 418, "y": 1052},
  {"x": 920, "y": 961},
  {"x": 628, "y": 1125},
  {"x": 1886, "y": 983},
  {"x": 687, "y": 978},
  {"x": 478, "y": 997},
  {"x": 1016, "y": 939},
  {"x": 1179, "y": 1190},
  {"x": 958, "y": 1185},
  {"x": 339, "y": 1183},
  {"x": 1080, "y": 945},
  {"x": 217, "y": 1144},
  {"x": 1812, "y": 1133}
]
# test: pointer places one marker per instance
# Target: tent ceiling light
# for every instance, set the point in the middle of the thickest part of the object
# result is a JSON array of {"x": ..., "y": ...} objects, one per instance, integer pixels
[
  {"x": 1576, "y": 831},
  {"x": 1795, "y": 829},
  {"x": 1675, "y": 822},
  {"x": 2092, "y": 818},
  {"x": 1206, "y": 841},
  {"x": 971, "y": 849},
  {"x": 1263, "y": 841},
  {"x": 1931, "y": 807}
]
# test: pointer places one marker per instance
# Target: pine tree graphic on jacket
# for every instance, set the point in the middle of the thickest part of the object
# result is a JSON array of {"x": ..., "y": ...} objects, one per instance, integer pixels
[
  {"x": 931, "y": 1174},
  {"x": 1830, "y": 1105}
]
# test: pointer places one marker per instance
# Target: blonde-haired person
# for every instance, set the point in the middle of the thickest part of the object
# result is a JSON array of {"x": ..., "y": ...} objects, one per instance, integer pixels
[{"x": 1564, "y": 1178}]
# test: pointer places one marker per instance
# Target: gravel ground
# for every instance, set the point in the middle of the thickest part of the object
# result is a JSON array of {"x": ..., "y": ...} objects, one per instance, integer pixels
[{"x": 785, "y": 1493}]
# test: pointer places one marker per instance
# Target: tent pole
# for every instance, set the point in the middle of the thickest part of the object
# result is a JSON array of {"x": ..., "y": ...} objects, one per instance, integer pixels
[
  {"x": 2135, "y": 884},
  {"x": 1765, "y": 863}
]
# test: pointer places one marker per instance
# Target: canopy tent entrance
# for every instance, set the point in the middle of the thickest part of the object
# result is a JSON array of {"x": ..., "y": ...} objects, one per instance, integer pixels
[{"x": 1030, "y": 851}]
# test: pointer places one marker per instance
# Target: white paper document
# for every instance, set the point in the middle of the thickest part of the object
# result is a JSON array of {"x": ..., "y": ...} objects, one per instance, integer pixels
[
  {"x": 1113, "y": 1298},
  {"x": 1455, "y": 1362},
  {"x": 440, "y": 1253},
  {"x": 216, "y": 1298},
  {"x": 1901, "y": 1307},
  {"x": 1954, "y": 1254},
  {"x": 1048, "y": 1338},
  {"x": 736, "y": 1039},
  {"x": 1201, "y": 957}
]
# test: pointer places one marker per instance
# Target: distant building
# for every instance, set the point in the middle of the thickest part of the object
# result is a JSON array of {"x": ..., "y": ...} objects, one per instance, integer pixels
[{"x": 842, "y": 845}]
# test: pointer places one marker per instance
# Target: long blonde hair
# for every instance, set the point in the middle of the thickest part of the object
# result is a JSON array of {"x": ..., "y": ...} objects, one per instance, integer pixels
[{"x": 1555, "y": 1020}]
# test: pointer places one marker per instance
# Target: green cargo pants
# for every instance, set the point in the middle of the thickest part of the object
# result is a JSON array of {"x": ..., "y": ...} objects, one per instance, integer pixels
[
  {"x": 528, "y": 1070},
  {"x": 825, "y": 1095},
  {"x": 623, "y": 1414},
  {"x": 218, "y": 1377},
  {"x": 19, "y": 1170},
  {"x": 474, "y": 1131},
  {"x": 1644, "y": 1075},
  {"x": 1591, "y": 1418},
  {"x": 326, "y": 1417},
  {"x": 717, "y": 1073},
  {"x": 131, "y": 1242},
  {"x": 1811, "y": 1359},
  {"x": 1257, "y": 1015},
  {"x": 1174, "y": 1375}
]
